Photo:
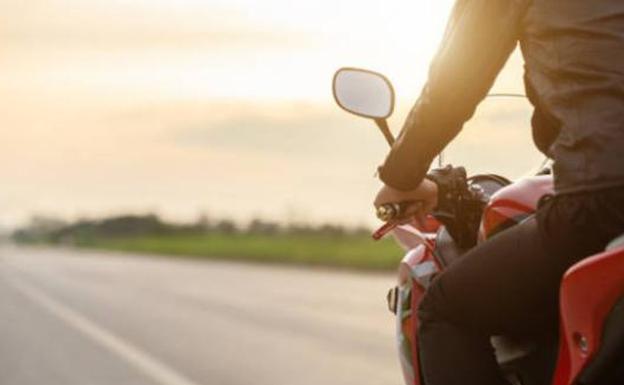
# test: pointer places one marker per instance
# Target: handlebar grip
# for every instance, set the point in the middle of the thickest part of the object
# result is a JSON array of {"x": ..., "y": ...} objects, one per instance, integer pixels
[{"x": 390, "y": 211}]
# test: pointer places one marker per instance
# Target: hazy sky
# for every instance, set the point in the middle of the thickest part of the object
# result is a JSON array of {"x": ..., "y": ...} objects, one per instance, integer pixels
[{"x": 223, "y": 107}]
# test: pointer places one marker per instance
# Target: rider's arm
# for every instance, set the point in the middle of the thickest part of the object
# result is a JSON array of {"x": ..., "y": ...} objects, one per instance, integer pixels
[{"x": 480, "y": 36}]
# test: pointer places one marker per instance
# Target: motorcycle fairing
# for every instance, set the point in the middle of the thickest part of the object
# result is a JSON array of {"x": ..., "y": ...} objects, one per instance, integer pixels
[
  {"x": 606, "y": 367},
  {"x": 589, "y": 292},
  {"x": 514, "y": 203},
  {"x": 415, "y": 272}
]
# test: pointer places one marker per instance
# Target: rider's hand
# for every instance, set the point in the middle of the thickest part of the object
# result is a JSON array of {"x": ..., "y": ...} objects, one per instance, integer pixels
[{"x": 425, "y": 198}]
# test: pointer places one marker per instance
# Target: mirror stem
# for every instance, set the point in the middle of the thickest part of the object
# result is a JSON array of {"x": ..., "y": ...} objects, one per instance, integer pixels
[{"x": 385, "y": 130}]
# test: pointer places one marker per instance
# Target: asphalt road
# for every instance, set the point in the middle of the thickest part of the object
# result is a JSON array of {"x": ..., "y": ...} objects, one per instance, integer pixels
[{"x": 72, "y": 317}]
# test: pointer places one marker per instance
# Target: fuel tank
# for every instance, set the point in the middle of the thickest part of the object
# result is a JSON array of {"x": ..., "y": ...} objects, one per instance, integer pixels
[{"x": 514, "y": 203}]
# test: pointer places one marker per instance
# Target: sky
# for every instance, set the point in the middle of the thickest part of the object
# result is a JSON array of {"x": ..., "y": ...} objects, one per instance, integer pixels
[{"x": 213, "y": 107}]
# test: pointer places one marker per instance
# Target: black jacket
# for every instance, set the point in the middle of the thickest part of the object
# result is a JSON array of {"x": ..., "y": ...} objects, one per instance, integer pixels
[{"x": 574, "y": 77}]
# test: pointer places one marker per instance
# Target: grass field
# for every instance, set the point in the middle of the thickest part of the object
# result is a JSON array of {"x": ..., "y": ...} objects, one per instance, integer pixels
[{"x": 349, "y": 251}]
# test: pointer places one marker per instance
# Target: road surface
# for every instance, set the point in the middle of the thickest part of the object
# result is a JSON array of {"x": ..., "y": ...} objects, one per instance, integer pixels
[{"x": 86, "y": 318}]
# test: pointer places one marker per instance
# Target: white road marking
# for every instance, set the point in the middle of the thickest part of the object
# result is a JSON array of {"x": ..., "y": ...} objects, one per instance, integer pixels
[{"x": 140, "y": 359}]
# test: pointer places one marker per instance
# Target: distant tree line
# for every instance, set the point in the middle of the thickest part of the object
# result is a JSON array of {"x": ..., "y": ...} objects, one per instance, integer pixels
[{"x": 51, "y": 230}]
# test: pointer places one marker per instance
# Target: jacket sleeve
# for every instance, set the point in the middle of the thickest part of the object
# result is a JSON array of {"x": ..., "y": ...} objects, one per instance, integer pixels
[{"x": 480, "y": 36}]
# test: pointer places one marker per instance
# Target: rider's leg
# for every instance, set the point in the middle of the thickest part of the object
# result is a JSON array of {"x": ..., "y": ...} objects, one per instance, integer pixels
[{"x": 509, "y": 284}]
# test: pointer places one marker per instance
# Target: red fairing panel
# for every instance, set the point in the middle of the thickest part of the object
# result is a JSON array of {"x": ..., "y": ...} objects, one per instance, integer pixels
[
  {"x": 589, "y": 291},
  {"x": 414, "y": 272},
  {"x": 513, "y": 203}
]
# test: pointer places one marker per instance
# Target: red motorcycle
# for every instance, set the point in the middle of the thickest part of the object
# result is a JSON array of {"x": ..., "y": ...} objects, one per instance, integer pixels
[{"x": 589, "y": 348}]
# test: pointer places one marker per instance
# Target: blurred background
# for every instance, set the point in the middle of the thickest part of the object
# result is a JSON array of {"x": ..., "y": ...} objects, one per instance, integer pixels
[
  {"x": 182, "y": 107},
  {"x": 206, "y": 128}
]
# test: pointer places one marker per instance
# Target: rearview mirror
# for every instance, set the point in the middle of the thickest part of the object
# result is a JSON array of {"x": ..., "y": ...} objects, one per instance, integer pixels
[{"x": 364, "y": 93}]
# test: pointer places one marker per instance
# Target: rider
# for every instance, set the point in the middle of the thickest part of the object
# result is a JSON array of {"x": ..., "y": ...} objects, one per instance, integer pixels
[{"x": 574, "y": 77}]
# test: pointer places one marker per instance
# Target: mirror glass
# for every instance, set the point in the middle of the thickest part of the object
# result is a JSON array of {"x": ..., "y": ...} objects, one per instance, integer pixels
[{"x": 364, "y": 93}]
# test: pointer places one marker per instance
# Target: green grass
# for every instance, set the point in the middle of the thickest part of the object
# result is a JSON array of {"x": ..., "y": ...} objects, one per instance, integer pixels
[{"x": 350, "y": 251}]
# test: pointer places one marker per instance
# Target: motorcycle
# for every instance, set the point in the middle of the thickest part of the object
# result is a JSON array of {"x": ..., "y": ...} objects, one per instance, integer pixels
[{"x": 589, "y": 346}]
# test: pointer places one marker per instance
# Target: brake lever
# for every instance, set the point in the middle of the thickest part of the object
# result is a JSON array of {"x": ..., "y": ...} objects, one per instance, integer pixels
[{"x": 384, "y": 230}]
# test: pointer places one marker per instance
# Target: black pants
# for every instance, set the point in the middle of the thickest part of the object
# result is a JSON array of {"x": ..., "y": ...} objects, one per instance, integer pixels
[{"x": 510, "y": 285}]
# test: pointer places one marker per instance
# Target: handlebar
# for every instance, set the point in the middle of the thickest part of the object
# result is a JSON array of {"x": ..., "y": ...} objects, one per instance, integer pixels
[{"x": 460, "y": 211}]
